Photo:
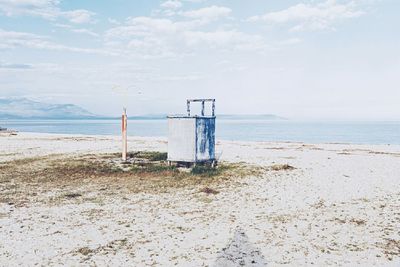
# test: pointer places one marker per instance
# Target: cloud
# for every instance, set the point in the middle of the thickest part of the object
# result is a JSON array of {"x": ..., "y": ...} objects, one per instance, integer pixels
[
  {"x": 194, "y": 1},
  {"x": 15, "y": 66},
  {"x": 85, "y": 31},
  {"x": 225, "y": 39},
  {"x": 43, "y": 8},
  {"x": 171, "y": 4},
  {"x": 113, "y": 21},
  {"x": 46, "y": 9},
  {"x": 318, "y": 16},
  {"x": 61, "y": 25},
  {"x": 208, "y": 13},
  {"x": 291, "y": 41},
  {"x": 76, "y": 30},
  {"x": 79, "y": 16},
  {"x": 177, "y": 78},
  {"x": 12, "y": 40},
  {"x": 161, "y": 37}
]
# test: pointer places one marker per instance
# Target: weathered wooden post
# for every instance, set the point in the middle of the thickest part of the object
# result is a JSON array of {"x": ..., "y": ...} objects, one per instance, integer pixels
[{"x": 124, "y": 136}]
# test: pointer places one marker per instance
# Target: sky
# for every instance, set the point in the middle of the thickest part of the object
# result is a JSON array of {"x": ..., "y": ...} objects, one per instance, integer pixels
[{"x": 311, "y": 59}]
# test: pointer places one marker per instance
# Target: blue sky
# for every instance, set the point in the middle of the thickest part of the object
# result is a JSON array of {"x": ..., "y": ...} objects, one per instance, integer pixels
[{"x": 300, "y": 59}]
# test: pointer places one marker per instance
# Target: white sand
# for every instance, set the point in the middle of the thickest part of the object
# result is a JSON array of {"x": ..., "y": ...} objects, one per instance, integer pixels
[{"x": 340, "y": 207}]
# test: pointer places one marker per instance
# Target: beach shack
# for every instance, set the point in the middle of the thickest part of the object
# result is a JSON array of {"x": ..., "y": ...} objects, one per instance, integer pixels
[{"x": 191, "y": 138}]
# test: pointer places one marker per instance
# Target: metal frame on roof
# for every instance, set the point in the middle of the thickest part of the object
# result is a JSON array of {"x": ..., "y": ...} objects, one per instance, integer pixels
[{"x": 189, "y": 101}]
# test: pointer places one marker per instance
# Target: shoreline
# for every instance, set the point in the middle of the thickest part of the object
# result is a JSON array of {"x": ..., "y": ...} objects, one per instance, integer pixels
[{"x": 113, "y": 136}]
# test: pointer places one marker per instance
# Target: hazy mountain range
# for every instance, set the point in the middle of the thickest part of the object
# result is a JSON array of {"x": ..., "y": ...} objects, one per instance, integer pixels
[{"x": 23, "y": 108}]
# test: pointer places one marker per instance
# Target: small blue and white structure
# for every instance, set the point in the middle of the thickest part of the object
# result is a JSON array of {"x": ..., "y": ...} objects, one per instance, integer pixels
[{"x": 191, "y": 139}]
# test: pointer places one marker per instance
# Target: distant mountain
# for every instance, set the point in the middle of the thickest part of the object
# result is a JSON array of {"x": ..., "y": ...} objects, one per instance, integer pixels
[
  {"x": 269, "y": 117},
  {"x": 23, "y": 108}
]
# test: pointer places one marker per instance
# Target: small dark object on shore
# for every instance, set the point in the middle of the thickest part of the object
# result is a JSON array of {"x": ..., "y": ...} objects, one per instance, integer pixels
[
  {"x": 72, "y": 195},
  {"x": 209, "y": 191},
  {"x": 282, "y": 167}
]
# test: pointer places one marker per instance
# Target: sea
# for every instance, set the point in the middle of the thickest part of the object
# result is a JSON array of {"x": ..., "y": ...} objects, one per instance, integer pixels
[{"x": 356, "y": 132}]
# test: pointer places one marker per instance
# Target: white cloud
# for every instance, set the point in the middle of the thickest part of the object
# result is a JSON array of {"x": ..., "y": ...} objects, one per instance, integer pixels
[
  {"x": 61, "y": 25},
  {"x": 171, "y": 4},
  {"x": 15, "y": 66},
  {"x": 208, "y": 13},
  {"x": 318, "y": 16},
  {"x": 113, "y": 21},
  {"x": 160, "y": 37},
  {"x": 42, "y": 8},
  {"x": 194, "y": 1},
  {"x": 46, "y": 9},
  {"x": 231, "y": 39},
  {"x": 291, "y": 41},
  {"x": 85, "y": 31},
  {"x": 76, "y": 30},
  {"x": 176, "y": 78},
  {"x": 12, "y": 39},
  {"x": 79, "y": 16}
]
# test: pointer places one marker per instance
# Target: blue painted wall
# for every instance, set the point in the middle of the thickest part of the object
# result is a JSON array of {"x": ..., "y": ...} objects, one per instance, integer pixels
[{"x": 205, "y": 139}]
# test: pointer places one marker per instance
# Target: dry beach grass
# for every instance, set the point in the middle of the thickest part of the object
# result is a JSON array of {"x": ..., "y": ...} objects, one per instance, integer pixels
[{"x": 28, "y": 180}]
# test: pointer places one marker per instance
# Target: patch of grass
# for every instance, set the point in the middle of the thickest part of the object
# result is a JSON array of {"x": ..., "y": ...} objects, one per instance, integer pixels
[
  {"x": 116, "y": 170},
  {"x": 9, "y": 165},
  {"x": 391, "y": 247},
  {"x": 147, "y": 155},
  {"x": 206, "y": 171},
  {"x": 79, "y": 168},
  {"x": 151, "y": 168},
  {"x": 90, "y": 173},
  {"x": 85, "y": 251},
  {"x": 151, "y": 155},
  {"x": 282, "y": 167}
]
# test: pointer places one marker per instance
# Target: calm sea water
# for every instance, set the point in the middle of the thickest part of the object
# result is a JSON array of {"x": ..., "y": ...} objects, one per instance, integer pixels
[{"x": 244, "y": 130}]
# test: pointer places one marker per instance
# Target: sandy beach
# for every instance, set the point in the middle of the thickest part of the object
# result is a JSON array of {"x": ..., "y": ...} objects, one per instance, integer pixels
[{"x": 339, "y": 205}]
